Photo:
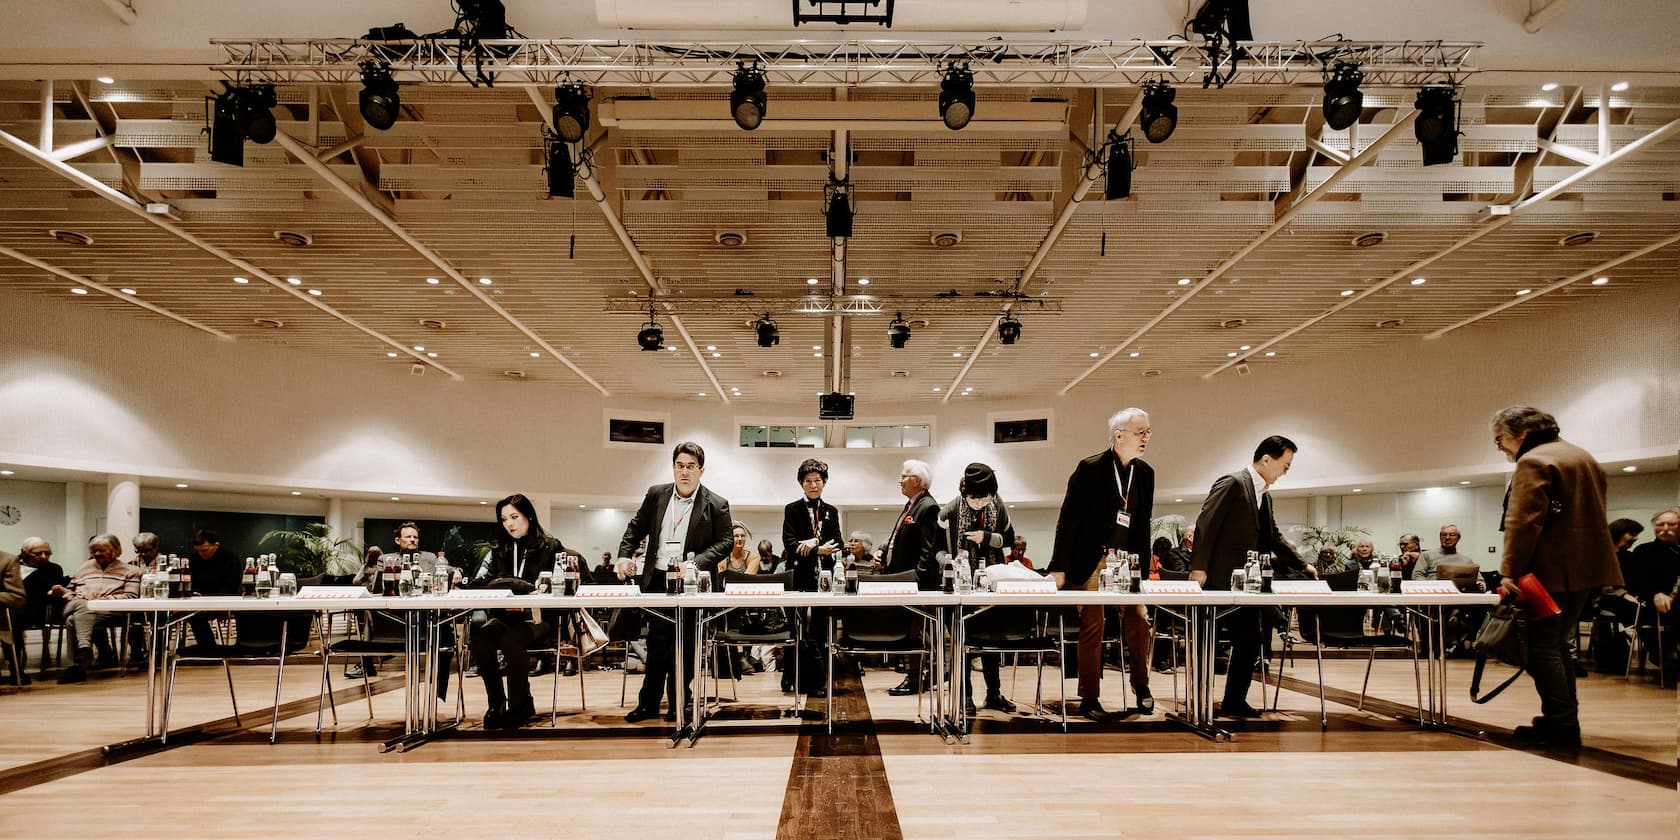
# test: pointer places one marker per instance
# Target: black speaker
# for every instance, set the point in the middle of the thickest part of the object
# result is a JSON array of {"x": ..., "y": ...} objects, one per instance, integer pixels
[{"x": 835, "y": 406}]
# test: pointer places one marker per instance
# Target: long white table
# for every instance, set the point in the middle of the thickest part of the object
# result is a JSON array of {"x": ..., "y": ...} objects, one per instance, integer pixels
[{"x": 424, "y": 613}]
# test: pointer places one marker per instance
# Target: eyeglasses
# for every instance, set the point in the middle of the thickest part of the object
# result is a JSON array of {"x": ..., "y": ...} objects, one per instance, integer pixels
[{"x": 685, "y": 466}]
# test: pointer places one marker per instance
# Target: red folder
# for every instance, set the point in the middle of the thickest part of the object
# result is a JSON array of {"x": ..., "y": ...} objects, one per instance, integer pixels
[{"x": 1534, "y": 598}]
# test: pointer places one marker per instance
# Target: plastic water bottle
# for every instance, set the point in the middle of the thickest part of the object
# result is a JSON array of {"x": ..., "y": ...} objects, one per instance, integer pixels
[
  {"x": 1379, "y": 573},
  {"x": 691, "y": 576},
  {"x": 964, "y": 573},
  {"x": 839, "y": 582},
  {"x": 982, "y": 582}
]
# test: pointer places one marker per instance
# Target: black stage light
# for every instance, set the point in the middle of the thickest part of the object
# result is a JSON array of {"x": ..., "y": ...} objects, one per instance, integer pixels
[
  {"x": 1343, "y": 101},
  {"x": 768, "y": 335},
  {"x": 956, "y": 96},
  {"x": 254, "y": 112},
  {"x": 898, "y": 332},
  {"x": 227, "y": 144},
  {"x": 838, "y": 209},
  {"x": 1160, "y": 115},
  {"x": 482, "y": 20},
  {"x": 1009, "y": 329},
  {"x": 651, "y": 337},
  {"x": 1119, "y": 168},
  {"x": 747, "y": 102},
  {"x": 1223, "y": 17},
  {"x": 571, "y": 112},
  {"x": 562, "y": 175},
  {"x": 1437, "y": 124},
  {"x": 380, "y": 101}
]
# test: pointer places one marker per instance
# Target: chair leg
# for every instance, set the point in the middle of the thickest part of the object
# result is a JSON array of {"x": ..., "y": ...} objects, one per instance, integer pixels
[
  {"x": 279, "y": 677},
  {"x": 232, "y": 697},
  {"x": 1370, "y": 659},
  {"x": 169, "y": 697},
  {"x": 554, "y": 692},
  {"x": 1061, "y": 666},
  {"x": 1318, "y": 654},
  {"x": 583, "y": 697}
]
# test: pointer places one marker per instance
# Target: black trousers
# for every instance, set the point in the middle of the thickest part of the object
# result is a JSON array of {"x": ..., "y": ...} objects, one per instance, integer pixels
[
  {"x": 660, "y": 679},
  {"x": 1246, "y": 632},
  {"x": 511, "y": 634}
]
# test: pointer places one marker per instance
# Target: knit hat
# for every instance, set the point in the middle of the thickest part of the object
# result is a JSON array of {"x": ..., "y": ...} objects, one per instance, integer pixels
[{"x": 979, "y": 480}]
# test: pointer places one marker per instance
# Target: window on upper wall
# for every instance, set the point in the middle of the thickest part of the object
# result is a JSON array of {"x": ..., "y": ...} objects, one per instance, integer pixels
[
  {"x": 1021, "y": 431},
  {"x": 635, "y": 431},
  {"x": 781, "y": 436},
  {"x": 892, "y": 436}
]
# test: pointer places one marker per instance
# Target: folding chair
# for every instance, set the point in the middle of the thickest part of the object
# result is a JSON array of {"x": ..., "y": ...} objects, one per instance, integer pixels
[
  {"x": 259, "y": 637},
  {"x": 877, "y": 630}
]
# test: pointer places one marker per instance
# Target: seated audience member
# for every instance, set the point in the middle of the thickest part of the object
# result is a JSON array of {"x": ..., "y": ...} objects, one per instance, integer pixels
[
  {"x": 521, "y": 552},
  {"x": 104, "y": 576},
  {"x": 1624, "y": 533},
  {"x": 215, "y": 571},
  {"x": 1430, "y": 560},
  {"x": 11, "y": 603},
  {"x": 740, "y": 558},
  {"x": 860, "y": 552},
  {"x": 146, "y": 551},
  {"x": 1656, "y": 577},
  {"x": 768, "y": 563},
  {"x": 40, "y": 574},
  {"x": 1329, "y": 563},
  {"x": 1018, "y": 552},
  {"x": 1160, "y": 551},
  {"x": 1411, "y": 550},
  {"x": 1364, "y": 552}
]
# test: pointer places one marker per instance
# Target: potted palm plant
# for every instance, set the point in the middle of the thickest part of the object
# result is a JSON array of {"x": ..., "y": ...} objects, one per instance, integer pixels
[{"x": 316, "y": 550}]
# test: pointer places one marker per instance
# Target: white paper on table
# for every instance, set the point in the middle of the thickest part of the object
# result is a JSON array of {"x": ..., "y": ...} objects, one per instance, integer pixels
[
  {"x": 625, "y": 590},
  {"x": 1024, "y": 587},
  {"x": 752, "y": 589},
  {"x": 887, "y": 587},
  {"x": 1300, "y": 587},
  {"x": 1170, "y": 587},
  {"x": 1013, "y": 570},
  {"x": 479, "y": 593},
  {"x": 1428, "y": 587},
  {"x": 334, "y": 592}
]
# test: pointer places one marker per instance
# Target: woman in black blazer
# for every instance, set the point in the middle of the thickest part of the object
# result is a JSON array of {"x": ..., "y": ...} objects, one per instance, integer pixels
[{"x": 522, "y": 551}]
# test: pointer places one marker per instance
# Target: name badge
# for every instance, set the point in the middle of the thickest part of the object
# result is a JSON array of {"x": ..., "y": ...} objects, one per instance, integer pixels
[
  {"x": 1123, "y": 519},
  {"x": 671, "y": 554}
]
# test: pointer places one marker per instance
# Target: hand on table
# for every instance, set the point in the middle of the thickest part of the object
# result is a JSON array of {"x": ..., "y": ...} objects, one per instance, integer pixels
[
  {"x": 1059, "y": 578},
  {"x": 1199, "y": 576},
  {"x": 626, "y": 568}
]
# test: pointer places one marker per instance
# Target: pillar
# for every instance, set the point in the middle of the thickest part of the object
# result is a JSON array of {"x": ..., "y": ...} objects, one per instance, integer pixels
[{"x": 122, "y": 510}]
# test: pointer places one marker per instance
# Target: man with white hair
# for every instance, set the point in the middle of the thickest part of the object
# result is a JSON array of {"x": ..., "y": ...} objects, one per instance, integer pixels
[
  {"x": 1110, "y": 499},
  {"x": 103, "y": 577},
  {"x": 914, "y": 546}
]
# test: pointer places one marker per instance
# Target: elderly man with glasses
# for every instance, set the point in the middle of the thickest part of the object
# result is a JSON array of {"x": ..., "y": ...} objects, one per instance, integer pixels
[{"x": 103, "y": 577}]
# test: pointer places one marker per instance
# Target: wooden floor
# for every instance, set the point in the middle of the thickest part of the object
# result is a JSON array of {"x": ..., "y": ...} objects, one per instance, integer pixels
[{"x": 760, "y": 774}]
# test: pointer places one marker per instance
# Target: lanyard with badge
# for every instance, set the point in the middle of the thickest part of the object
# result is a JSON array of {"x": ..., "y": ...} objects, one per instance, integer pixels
[
  {"x": 1122, "y": 518},
  {"x": 673, "y": 543}
]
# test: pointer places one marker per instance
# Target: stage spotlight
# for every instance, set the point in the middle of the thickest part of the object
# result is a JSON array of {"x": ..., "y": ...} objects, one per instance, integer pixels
[
  {"x": 898, "y": 332},
  {"x": 1343, "y": 101},
  {"x": 1119, "y": 168},
  {"x": 837, "y": 208},
  {"x": 571, "y": 112},
  {"x": 1160, "y": 115},
  {"x": 227, "y": 144},
  {"x": 481, "y": 20},
  {"x": 562, "y": 175},
  {"x": 1437, "y": 124},
  {"x": 380, "y": 101},
  {"x": 747, "y": 102},
  {"x": 956, "y": 96},
  {"x": 1009, "y": 329},
  {"x": 254, "y": 112},
  {"x": 768, "y": 335},
  {"x": 651, "y": 337}
]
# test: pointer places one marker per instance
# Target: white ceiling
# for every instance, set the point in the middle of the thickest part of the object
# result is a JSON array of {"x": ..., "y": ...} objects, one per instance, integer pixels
[{"x": 462, "y": 173}]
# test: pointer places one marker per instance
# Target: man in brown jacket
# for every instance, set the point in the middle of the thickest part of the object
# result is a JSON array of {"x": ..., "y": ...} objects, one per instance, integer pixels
[{"x": 1555, "y": 528}]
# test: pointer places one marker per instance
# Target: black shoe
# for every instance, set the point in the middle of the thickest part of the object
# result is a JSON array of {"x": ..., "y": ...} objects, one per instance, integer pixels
[
  {"x": 1580, "y": 670},
  {"x": 1545, "y": 735},
  {"x": 669, "y": 717},
  {"x": 969, "y": 708},
  {"x": 518, "y": 714},
  {"x": 493, "y": 717},
  {"x": 105, "y": 663},
  {"x": 1235, "y": 710},
  {"x": 1093, "y": 710},
  {"x": 819, "y": 692},
  {"x": 541, "y": 667},
  {"x": 910, "y": 686},
  {"x": 1000, "y": 703},
  {"x": 73, "y": 674},
  {"x": 568, "y": 668},
  {"x": 1145, "y": 702},
  {"x": 472, "y": 671},
  {"x": 641, "y": 713}
]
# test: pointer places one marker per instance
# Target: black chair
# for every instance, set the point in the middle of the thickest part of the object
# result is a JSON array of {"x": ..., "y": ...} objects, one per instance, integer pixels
[
  {"x": 737, "y": 632},
  {"x": 258, "y": 637},
  {"x": 1343, "y": 628},
  {"x": 384, "y": 636},
  {"x": 876, "y": 630},
  {"x": 1018, "y": 630},
  {"x": 1344, "y": 581}
]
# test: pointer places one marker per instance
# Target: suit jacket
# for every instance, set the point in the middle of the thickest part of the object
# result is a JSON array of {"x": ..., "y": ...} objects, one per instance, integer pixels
[
  {"x": 1230, "y": 526},
  {"x": 1555, "y": 525},
  {"x": 1089, "y": 510},
  {"x": 220, "y": 575},
  {"x": 11, "y": 581},
  {"x": 796, "y": 528},
  {"x": 918, "y": 543},
  {"x": 710, "y": 530}
]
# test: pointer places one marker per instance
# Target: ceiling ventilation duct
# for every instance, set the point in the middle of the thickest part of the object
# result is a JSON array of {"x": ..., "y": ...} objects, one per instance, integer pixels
[{"x": 926, "y": 16}]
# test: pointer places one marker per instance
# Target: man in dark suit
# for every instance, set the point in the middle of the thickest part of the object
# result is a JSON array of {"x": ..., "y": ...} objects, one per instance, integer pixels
[
  {"x": 1110, "y": 499},
  {"x": 810, "y": 528},
  {"x": 1237, "y": 518},
  {"x": 677, "y": 520},
  {"x": 914, "y": 545}
]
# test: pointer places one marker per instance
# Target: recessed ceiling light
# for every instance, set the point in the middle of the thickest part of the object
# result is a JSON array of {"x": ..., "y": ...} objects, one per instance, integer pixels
[
  {"x": 1271, "y": 353},
  {"x": 1619, "y": 87},
  {"x": 1134, "y": 354},
  {"x": 485, "y": 281},
  {"x": 297, "y": 492},
  {"x": 817, "y": 355},
  {"x": 583, "y": 507},
  {"x": 1183, "y": 281},
  {"x": 810, "y": 281},
  {"x": 7, "y": 472},
  {"x": 936, "y": 389},
  {"x": 78, "y": 290},
  {"x": 431, "y": 355},
  {"x": 294, "y": 281},
  {"x": 1094, "y": 355},
  {"x": 863, "y": 281},
  {"x": 391, "y": 354},
  {"x": 1177, "y": 500},
  {"x": 735, "y": 390},
  {"x": 816, "y": 347},
  {"x": 1347, "y": 293},
  {"x": 180, "y": 486},
  {"x": 1630, "y": 468},
  {"x": 956, "y": 355},
  {"x": 484, "y": 503},
  {"x": 699, "y": 393},
  {"x": 314, "y": 292},
  {"x": 711, "y": 347},
  {"x": 432, "y": 281},
  {"x": 127, "y": 291},
  {"x": 1231, "y": 355},
  {"x": 105, "y": 80},
  {"x": 1549, "y": 87},
  {"x": 1358, "y": 490},
  {"x": 717, "y": 355},
  {"x": 1244, "y": 347},
  {"x": 241, "y": 280},
  {"x": 1419, "y": 281},
  {"x": 1599, "y": 281},
  {"x": 396, "y": 498},
  {"x": 1464, "y": 482}
]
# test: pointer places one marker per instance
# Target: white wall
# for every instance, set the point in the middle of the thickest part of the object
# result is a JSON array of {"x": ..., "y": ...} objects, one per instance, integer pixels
[{"x": 41, "y": 504}]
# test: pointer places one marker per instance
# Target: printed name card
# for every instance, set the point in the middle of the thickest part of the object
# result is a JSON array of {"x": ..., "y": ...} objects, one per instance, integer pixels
[
  {"x": 333, "y": 592},
  {"x": 1024, "y": 587},
  {"x": 887, "y": 587},
  {"x": 1171, "y": 587},
  {"x": 751, "y": 589},
  {"x": 627, "y": 590},
  {"x": 1428, "y": 587},
  {"x": 479, "y": 593},
  {"x": 1301, "y": 587}
]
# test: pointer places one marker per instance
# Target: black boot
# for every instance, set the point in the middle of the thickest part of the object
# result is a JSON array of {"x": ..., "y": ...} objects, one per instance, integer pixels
[{"x": 912, "y": 685}]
